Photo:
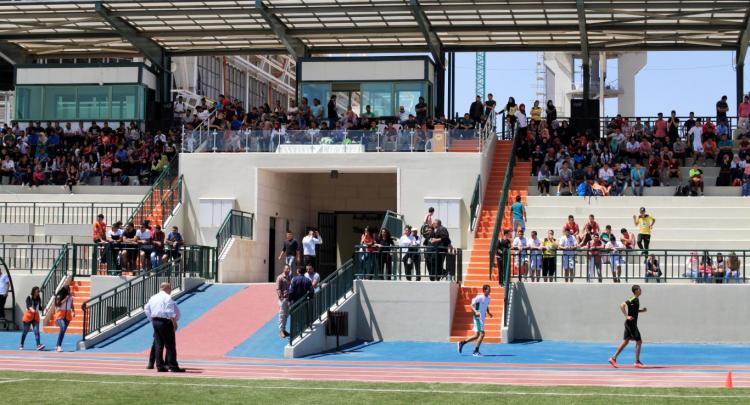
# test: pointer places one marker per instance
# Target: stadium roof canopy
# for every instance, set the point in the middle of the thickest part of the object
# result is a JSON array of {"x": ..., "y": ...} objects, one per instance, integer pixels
[{"x": 308, "y": 27}]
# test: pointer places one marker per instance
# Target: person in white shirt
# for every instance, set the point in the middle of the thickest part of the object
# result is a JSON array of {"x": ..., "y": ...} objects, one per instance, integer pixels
[
  {"x": 535, "y": 263},
  {"x": 179, "y": 109},
  {"x": 7, "y": 168},
  {"x": 520, "y": 244},
  {"x": 143, "y": 238},
  {"x": 615, "y": 258},
  {"x": 480, "y": 307},
  {"x": 403, "y": 115},
  {"x": 606, "y": 173},
  {"x": 309, "y": 243},
  {"x": 313, "y": 276},
  {"x": 164, "y": 313},
  {"x": 568, "y": 244},
  {"x": 695, "y": 135},
  {"x": 521, "y": 120},
  {"x": 407, "y": 241},
  {"x": 4, "y": 287}
]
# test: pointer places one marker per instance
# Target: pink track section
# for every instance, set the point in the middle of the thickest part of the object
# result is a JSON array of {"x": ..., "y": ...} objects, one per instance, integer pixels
[
  {"x": 230, "y": 323},
  {"x": 665, "y": 376}
]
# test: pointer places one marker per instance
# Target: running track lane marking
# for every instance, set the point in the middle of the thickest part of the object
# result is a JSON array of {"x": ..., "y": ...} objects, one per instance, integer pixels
[
  {"x": 13, "y": 381},
  {"x": 392, "y": 390}
]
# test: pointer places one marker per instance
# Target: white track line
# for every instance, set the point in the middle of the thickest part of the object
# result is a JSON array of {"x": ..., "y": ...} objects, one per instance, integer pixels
[
  {"x": 393, "y": 390},
  {"x": 13, "y": 381}
]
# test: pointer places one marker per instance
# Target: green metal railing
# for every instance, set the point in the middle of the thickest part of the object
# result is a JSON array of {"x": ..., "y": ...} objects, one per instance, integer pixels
[
  {"x": 407, "y": 263},
  {"x": 501, "y": 205},
  {"x": 118, "y": 304},
  {"x": 76, "y": 213},
  {"x": 332, "y": 290},
  {"x": 394, "y": 223},
  {"x": 56, "y": 275},
  {"x": 236, "y": 223},
  {"x": 475, "y": 199},
  {"x": 165, "y": 192}
]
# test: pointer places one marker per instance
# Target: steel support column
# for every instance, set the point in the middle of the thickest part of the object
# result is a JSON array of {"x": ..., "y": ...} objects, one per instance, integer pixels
[
  {"x": 14, "y": 54},
  {"x": 740, "y": 72},
  {"x": 295, "y": 47},
  {"x": 440, "y": 87}
]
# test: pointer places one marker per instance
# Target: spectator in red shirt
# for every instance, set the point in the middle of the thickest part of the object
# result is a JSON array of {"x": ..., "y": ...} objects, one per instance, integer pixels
[
  {"x": 593, "y": 223},
  {"x": 660, "y": 127},
  {"x": 571, "y": 226},
  {"x": 743, "y": 112}
]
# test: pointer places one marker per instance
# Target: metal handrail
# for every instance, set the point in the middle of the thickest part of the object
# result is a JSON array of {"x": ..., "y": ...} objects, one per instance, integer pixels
[
  {"x": 332, "y": 290},
  {"x": 162, "y": 182},
  {"x": 42, "y": 213},
  {"x": 124, "y": 300},
  {"x": 56, "y": 275},
  {"x": 236, "y": 223},
  {"x": 475, "y": 205},
  {"x": 399, "y": 263},
  {"x": 503, "y": 202}
]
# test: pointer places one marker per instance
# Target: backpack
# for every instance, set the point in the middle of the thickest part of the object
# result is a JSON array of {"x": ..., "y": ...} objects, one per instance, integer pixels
[
  {"x": 682, "y": 191},
  {"x": 583, "y": 190}
]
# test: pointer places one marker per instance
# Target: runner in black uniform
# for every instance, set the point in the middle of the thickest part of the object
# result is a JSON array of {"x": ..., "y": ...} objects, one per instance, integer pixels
[{"x": 631, "y": 309}]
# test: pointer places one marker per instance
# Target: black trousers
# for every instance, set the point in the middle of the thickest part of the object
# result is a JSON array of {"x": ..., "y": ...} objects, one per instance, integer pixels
[
  {"x": 643, "y": 241},
  {"x": 152, "y": 355},
  {"x": 165, "y": 340},
  {"x": 2, "y": 305}
]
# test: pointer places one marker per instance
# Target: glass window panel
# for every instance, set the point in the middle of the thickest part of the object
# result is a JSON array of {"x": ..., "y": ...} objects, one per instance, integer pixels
[
  {"x": 379, "y": 96},
  {"x": 28, "y": 102},
  {"x": 408, "y": 93},
  {"x": 93, "y": 102},
  {"x": 124, "y": 102},
  {"x": 60, "y": 103},
  {"x": 321, "y": 91}
]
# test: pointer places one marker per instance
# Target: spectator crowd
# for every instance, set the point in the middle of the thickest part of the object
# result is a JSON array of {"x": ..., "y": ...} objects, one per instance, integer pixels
[{"x": 74, "y": 153}]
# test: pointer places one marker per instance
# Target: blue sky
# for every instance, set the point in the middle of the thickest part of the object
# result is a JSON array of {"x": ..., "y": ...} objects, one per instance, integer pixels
[{"x": 682, "y": 81}]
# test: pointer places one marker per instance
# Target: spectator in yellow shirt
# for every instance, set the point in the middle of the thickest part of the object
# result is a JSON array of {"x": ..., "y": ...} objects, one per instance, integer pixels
[
  {"x": 536, "y": 112},
  {"x": 645, "y": 224}
]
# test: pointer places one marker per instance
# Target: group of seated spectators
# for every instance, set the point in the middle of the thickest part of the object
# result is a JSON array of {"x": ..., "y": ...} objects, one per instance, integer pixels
[
  {"x": 130, "y": 251},
  {"x": 69, "y": 154},
  {"x": 633, "y": 153}
]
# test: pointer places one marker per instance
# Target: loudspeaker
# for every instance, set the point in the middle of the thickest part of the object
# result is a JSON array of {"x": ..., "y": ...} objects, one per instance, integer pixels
[{"x": 584, "y": 117}]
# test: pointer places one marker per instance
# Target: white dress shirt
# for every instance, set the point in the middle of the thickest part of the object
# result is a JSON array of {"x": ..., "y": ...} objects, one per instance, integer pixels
[
  {"x": 4, "y": 284},
  {"x": 162, "y": 305},
  {"x": 308, "y": 245}
]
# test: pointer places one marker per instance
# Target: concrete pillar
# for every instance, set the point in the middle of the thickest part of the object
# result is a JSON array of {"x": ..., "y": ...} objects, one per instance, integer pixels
[
  {"x": 740, "y": 82},
  {"x": 628, "y": 66},
  {"x": 440, "y": 87},
  {"x": 586, "y": 80}
]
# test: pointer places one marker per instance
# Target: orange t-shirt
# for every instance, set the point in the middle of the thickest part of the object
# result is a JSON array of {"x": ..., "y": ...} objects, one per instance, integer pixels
[{"x": 100, "y": 231}]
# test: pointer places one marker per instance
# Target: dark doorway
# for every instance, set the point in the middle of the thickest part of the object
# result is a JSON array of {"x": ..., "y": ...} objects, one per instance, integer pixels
[
  {"x": 327, "y": 251},
  {"x": 272, "y": 249}
]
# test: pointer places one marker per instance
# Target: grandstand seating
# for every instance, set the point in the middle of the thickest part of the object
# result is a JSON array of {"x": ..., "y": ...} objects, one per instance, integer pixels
[{"x": 477, "y": 273}]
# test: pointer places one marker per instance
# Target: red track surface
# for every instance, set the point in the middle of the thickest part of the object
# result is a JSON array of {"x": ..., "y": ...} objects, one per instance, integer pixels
[{"x": 499, "y": 373}]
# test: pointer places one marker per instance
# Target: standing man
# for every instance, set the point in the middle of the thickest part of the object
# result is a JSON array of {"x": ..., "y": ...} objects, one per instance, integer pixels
[
  {"x": 290, "y": 251},
  {"x": 99, "y": 233},
  {"x": 721, "y": 109},
  {"x": 502, "y": 255},
  {"x": 179, "y": 108},
  {"x": 308, "y": 246},
  {"x": 521, "y": 122},
  {"x": 164, "y": 313},
  {"x": 631, "y": 309},
  {"x": 313, "y": 276},
  {"x": 645, "y": 224},
  {"x": 476, "y": 109},
  {"x": 441, "y": 241},
  {"x": 283, "y": 282},
  {"x": 333, "y": 115},
  {"x": 743, "y": 112},
  {"x": 519, "y": 216},
  {"x": 489, "y": 106},
  {"x": 4, "y": 287},
  {"x": 407, "y": 252},
  {"x": 300, "y": 287},
  {"x": 480, "y": 307},
  {"x": 568, "y": 245},
  {"x": 421, "y": 110}
]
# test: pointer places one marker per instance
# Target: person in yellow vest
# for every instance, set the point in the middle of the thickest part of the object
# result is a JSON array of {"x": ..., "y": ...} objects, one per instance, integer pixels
[
  {"x": 536, "y": 113},
  {"x": 64, "y": 310},
  {"x": 645, "y": 224},
  {"x": 31, "y": 318}
]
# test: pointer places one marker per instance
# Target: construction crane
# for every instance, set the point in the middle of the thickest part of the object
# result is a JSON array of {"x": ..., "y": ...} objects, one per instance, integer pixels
[{"x": 480, "y": 73}]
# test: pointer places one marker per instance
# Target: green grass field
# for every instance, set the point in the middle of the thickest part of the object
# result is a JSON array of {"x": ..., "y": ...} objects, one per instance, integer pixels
[{"x": 54, "y": 388}]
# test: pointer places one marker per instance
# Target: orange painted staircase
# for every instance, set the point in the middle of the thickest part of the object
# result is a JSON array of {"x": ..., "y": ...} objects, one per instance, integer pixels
[
  {"x": 81, "y": 291},
  {"x": 477, "y": 272}
]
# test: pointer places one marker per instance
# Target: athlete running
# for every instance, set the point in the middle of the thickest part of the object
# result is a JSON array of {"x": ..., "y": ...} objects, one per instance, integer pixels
[
  {"x": 480, "y": 306},
  {"x": 631, "y": 309}
]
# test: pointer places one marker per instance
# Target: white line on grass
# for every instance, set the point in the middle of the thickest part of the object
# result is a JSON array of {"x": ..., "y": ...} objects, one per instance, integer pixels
[
  {"x": 394, "y": 390},
  {"x": 12, "y": 381}
]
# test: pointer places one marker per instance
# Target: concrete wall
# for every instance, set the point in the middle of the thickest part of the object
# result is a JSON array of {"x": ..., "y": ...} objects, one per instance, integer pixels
[
  {"x": 100, "y": 284},
  {"x": 317, "y": 341},
  {"x": 235, "y": 266},
  {"x": 285, "y": 186},
  {"x": 402, "y": 310},
  {"x": 708, "y": 313}
]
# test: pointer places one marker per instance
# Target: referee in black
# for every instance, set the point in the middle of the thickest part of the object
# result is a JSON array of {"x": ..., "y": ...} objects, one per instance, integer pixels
[
  {"x": 164, "y": 313},
  {"x": 631, "y": 309}
]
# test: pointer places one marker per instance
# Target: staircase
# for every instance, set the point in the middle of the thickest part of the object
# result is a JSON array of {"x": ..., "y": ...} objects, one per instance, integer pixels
[
  {"x": 477, "y": 273},
  {"x": 162, "y": 198},
  {"x": 81, "y": 291}
]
